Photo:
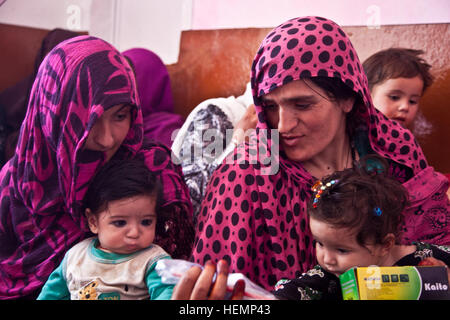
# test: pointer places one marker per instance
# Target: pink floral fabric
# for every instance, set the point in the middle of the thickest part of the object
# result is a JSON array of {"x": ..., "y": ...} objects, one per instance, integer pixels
[{"x": 43, "y": 185}]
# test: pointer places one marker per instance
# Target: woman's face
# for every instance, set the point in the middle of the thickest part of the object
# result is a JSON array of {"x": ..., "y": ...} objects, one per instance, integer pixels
[
  {"x": 309, "y": 122},
  {"x": 110, "y": 130}
]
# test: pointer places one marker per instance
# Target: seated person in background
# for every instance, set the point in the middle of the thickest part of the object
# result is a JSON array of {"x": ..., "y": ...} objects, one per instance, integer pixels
[
  {"x": 122, "y": 210},
  {"x": 355, "y": 219},
  {"x": 155, "y": 94},
  {"x": 14, "y": 100},
  {"x": 397, "y": 78},
  {"x": 211, "y": 131}
]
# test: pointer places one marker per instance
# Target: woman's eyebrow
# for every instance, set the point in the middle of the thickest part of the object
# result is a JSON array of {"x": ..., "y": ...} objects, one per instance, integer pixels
[
  {"x": 301, "y": 98},
  {"x": 305, "y": 98},
  {"x": 123, "y": 107}
]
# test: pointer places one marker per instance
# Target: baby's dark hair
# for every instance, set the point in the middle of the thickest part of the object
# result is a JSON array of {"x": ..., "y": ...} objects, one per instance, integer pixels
[
  {"x": 364, "y": 198},
  {"x": 397, "y": 63},
  {"x": 120, "y": 179}
]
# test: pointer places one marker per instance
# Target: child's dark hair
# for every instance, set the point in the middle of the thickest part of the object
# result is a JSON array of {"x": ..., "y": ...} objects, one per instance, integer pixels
[
  {"x": 397, "y": 63},
  {"x": 120, "y": 179},
  {"x": 363, "y": 198}
]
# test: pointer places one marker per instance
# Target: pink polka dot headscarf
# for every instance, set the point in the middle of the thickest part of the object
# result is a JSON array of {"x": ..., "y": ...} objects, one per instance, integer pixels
[{"x": 317, "y": 47}]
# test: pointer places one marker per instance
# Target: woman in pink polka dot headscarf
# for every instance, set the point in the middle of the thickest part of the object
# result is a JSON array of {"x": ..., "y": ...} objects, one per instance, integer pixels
[{"x": 308, "y": 85}]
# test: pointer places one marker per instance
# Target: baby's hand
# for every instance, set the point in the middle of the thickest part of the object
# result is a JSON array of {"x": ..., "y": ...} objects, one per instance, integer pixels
[{"x": 435, "y": 262}]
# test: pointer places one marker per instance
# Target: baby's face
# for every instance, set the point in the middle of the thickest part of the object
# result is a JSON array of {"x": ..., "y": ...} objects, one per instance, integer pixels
[
  {"x": 398, "y": 99},
  {"x": 127, "y": 225},
  {"x": 337, "y": 249}
]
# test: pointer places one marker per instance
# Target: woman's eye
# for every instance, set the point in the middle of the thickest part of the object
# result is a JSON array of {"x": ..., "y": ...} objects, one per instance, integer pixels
[
  {"x": 119, "y": 223},
  {"x": 122, "y": 116},
  {"x": 302, "y": 106}
]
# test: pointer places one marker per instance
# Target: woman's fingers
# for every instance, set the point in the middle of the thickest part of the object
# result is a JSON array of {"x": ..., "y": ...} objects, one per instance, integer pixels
[
  {"x": 197, "y": 284},
  {"x": 183, "y": 289},
  {"x": 204, "y": 282},
  {"x": 220, "y": 286},
  {"x": 238, "y": 290}
]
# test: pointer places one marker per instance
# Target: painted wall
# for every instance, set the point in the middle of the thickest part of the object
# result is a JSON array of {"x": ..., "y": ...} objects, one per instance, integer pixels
[
  {"x": 157, "y": 24},
  {"x": 222, "y": 14}
]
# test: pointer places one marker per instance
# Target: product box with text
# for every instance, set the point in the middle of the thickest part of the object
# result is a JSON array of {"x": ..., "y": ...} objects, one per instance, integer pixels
[{"x": 395, "y": 283}]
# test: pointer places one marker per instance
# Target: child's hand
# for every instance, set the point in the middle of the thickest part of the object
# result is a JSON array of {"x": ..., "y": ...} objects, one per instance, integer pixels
[{"x": 435, "y": 262}]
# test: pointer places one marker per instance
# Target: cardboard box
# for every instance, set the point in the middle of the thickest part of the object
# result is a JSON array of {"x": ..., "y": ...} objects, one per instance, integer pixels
[{"x": 395, "y": 283}]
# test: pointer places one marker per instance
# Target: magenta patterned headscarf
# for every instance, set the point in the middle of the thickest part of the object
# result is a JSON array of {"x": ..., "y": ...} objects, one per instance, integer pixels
[
  {"x": 258, "y": 222},
  {"x": 43, "y": 185},
  {"x": 155, "y": 93}
]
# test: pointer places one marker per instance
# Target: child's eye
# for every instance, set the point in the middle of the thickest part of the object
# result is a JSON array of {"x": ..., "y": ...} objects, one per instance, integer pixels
[
  {"x": 119, "y": 223},
  {"x": 394, "y": 98},
  {"x": 147, "y": 222},
  {"x": 413, "y": 102},
  {"x": 343, "y": 251}
]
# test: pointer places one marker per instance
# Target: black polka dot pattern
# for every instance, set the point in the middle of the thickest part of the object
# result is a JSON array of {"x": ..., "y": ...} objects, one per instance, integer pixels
[{"x": 258, "y": 222}]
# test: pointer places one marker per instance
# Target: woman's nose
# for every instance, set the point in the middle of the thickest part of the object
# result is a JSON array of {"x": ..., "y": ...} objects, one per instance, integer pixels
[
  {"x": 103, "y": 135},
  {"x": 286, "y": 120}
]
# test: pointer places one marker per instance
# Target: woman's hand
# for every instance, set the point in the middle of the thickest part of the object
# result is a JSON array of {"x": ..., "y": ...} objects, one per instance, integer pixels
[
  {"x": 197, "y": 284},
  {"x": 248, "y": 121}
]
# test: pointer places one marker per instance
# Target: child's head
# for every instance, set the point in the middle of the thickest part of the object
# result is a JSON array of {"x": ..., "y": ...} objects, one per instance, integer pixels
[
  {"x": 397, "y": 79},
  {"x": 121, "y": 205},
  {"x": 355, "y": 216}
]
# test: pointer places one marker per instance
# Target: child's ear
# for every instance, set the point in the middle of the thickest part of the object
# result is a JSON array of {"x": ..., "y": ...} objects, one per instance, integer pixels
[
  {"x": 388, "y": 243},
  {"x": 92, "y": 220}
]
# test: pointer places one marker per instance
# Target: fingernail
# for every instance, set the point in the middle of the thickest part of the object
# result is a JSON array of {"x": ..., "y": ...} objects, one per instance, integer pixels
[
  {"x": 222, "y": 267},
  {"x": 209, "y": 264}
]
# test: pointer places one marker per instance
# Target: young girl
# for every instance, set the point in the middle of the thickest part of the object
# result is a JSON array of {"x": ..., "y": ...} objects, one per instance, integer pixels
[
  {"x": 121, "y": 209},
  {"x": 397, "y": 78},
  {"x": 355, "y": 219}
]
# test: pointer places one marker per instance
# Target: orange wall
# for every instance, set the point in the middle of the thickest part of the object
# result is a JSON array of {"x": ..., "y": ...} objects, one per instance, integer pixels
[{"x": 216, "y": 63}]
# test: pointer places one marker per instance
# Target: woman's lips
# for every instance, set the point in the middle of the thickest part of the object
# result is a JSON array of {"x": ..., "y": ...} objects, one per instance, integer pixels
[{"x": 290, "y": 140}]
